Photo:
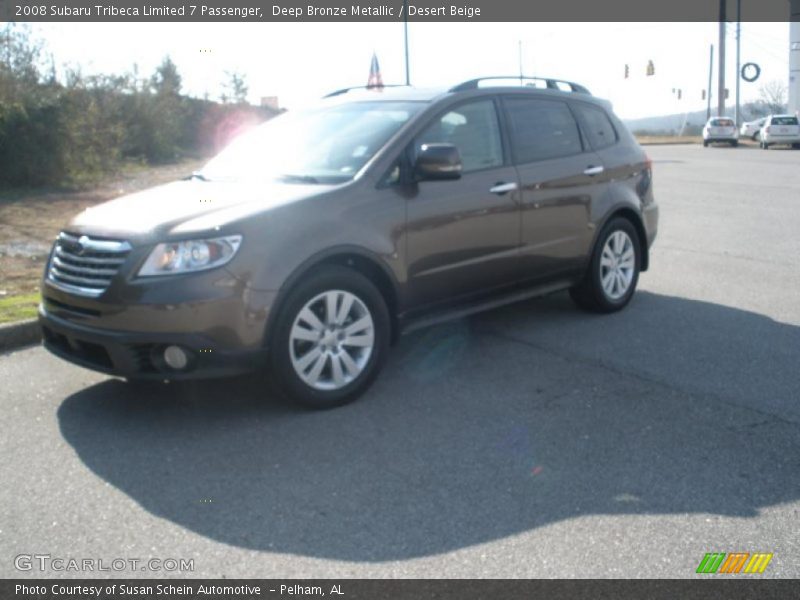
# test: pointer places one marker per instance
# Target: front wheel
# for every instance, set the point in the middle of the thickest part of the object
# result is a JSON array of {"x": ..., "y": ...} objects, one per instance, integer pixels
[
  {"x": 331, "y": 338},
  {"x": 613, "y": 272}
]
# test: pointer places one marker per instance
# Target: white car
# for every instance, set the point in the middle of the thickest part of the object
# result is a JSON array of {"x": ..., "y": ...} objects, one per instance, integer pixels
[
  {"x": 751, "y": 129},
  {"x": 720, "y": 129},
  {"x": 780, "y": 129}
]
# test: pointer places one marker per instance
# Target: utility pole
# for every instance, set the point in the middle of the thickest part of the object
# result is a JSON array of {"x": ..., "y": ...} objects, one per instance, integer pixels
[
  {"x": 721, "y": 62},
  {"x": 405, "y": 34},
  {"x": 710, "y": 78},
  {"x": 737, "y": 114},
  {"x": 794, "y": 57}
]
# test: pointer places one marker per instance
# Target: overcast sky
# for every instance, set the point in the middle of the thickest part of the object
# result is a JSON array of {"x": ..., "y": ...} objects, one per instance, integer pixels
[{"x": 298, "y": 62}]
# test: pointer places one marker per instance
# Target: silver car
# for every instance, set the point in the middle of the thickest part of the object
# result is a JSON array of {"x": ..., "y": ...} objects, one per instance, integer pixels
[
  {"x": 720, "y": 129},
  {"x": 752, "y": 129},
  {"x": 780, "y": 129}
]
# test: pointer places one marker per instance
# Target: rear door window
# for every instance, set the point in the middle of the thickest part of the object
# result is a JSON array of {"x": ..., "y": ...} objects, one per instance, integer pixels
[{"x": 541, "y": 129}]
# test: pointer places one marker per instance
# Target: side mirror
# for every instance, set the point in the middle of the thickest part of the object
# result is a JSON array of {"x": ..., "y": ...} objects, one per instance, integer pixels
[{"x": 437, "y": 161}]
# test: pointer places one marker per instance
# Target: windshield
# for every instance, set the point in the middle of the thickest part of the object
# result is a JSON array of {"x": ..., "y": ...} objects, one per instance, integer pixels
[{"x": 321, "y": 145}]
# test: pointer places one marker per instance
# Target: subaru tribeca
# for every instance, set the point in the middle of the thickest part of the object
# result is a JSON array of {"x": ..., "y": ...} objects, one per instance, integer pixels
[{"x": 310, "y": 243}]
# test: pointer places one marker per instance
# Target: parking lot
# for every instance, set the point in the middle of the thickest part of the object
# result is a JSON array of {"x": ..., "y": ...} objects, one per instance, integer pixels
[{"x": 532, "y": 441}]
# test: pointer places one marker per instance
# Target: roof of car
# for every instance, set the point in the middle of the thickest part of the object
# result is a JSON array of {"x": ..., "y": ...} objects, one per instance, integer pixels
[{"x": 415, "y": 94}]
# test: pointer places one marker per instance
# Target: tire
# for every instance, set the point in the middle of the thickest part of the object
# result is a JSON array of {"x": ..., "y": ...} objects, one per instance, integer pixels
[
  {"x": 735, "y": 143},
  {"x": 310, "y": 360},
  {"x": 591, "y": 294},
  {"x": 796, "y": 146}
]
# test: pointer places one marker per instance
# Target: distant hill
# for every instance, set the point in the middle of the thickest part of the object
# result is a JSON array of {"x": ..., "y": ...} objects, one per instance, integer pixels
[{"x": 670, "y": 124}]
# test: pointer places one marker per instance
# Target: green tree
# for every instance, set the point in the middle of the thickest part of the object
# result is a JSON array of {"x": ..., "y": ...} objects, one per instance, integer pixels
[
  {"x": 166, "y": 80},
  {"x": 236, "y": 88}
]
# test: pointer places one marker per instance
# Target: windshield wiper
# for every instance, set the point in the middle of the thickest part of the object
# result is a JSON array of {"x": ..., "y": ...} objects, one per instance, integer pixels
[
  {"x": 298, "y": 179},
  {"x": 197, "y": 175}
]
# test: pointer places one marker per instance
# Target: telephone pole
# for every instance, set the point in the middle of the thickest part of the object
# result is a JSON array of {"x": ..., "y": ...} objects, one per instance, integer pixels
[
  {"x": 405, "y": 34},
  {"x": 721, "y": 62},
  {"x": 737, "y": 114},
  {"x": 710, "y": 79}
]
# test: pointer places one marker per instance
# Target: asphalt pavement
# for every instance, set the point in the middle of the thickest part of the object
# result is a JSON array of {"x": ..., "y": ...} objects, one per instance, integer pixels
[{"x": 532, "y": 441}]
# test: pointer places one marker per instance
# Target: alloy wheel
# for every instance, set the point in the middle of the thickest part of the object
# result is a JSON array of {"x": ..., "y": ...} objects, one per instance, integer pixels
[
  {"x": 331, "y": 340},
  {"x": 617, "y": 264}
]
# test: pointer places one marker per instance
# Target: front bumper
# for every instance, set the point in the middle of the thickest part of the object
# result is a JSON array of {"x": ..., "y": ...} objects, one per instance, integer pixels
[
  {"x": 139, "y": 355},
  {"x": 217, "y": 320}
]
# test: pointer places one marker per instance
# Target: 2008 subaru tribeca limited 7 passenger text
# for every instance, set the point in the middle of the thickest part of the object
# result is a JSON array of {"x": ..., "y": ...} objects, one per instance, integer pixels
[{"x": 314, "y": 240}]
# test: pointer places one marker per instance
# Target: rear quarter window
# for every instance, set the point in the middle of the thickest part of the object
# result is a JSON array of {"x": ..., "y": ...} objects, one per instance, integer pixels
[{"x": 598, "y": 126}]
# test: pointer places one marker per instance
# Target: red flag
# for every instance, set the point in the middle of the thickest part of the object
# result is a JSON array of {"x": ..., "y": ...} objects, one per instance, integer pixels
[{"x": 375, "y": 80}]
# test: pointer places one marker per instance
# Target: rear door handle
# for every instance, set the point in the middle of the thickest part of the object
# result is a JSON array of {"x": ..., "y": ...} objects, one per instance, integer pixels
[
  {"x": 502, "y": 188},
  {"x": 594, "y": 170}
]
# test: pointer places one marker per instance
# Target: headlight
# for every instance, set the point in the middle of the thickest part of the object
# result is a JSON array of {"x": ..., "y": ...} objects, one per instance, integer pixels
[{"x": 190, "y": 255}]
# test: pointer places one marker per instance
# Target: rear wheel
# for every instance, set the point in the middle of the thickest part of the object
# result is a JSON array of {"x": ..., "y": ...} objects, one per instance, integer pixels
[
  {"x": 735, "y": 143},
  {"x": 331, "y": 338},
  {"x": 796, "y": 146},
  {"x": 613, "y": 272}
]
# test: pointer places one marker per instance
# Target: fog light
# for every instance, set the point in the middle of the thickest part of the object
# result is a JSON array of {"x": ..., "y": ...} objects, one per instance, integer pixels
[{"x": 175, "y": 357}]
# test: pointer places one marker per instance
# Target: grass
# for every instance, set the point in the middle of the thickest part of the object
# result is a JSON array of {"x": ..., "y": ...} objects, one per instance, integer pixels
[
  {"x": 18, "y": 308},
  {"x": 662, "y": 140},
  {"x": 669, "y": 139}
]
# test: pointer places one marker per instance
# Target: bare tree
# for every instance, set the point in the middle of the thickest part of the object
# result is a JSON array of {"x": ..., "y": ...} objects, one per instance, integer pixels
[{"x": 773, "y": 95}]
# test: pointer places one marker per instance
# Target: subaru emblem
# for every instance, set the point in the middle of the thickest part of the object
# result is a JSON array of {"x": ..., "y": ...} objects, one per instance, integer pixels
[{"x": 83, "y": 243}]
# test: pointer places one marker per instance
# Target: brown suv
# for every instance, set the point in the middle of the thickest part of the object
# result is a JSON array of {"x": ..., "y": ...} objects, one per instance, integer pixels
[{"x": 311, "y": 242}]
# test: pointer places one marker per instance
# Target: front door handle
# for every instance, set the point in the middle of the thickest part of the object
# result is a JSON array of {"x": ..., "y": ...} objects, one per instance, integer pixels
[
  {"x": 501, "y": 188},
  {"x": 594, "y": 170}
]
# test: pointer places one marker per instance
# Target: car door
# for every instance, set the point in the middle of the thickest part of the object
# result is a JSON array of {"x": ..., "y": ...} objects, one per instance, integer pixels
[
  {"x": 560, "y": 177},
  {"x": 463, "y": 235}
]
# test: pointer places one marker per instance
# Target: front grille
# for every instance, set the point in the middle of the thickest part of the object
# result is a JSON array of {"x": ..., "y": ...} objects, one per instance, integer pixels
[{"x": 84, "y": 265}]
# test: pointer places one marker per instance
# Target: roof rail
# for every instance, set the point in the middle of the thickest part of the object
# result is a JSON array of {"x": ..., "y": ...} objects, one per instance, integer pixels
[
  {"x": 551, "y": 83},
  {"x": 361, "y": 87}
]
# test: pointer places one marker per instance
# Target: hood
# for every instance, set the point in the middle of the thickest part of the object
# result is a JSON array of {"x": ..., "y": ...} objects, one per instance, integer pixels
[{"x": 183, "y": 206}]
